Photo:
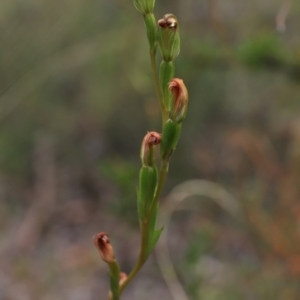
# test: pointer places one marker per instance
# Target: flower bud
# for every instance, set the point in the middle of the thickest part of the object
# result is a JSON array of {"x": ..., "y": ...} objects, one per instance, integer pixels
[
  {"x": 105, "y": 249},
  {"x": 168, "y": 37},
  {"x": 151, "y": 139},
  {"x": 144, "y": 6},
  {"x": 180, "y": 99}
]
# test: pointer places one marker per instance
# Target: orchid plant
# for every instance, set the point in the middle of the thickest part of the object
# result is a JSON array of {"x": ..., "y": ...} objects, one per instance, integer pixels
[{"x": 172, "y": 96}]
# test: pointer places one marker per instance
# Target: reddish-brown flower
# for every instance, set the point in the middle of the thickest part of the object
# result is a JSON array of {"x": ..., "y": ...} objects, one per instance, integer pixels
[
  {"x": 169, "y": 21},
  {"x": 105, "y": 249},
  {"x": 151, "y": 139},
  {"x": 180, "y": 99}
]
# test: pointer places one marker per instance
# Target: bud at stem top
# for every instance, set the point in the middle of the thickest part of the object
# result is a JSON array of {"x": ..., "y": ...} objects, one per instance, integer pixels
[{"x": 168, "y": 37}]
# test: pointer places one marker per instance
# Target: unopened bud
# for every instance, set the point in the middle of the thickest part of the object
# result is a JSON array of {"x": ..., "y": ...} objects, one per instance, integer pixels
[
  {"x": 105, "y": 249},
  {"x": 168, "y": 37},
  {"x": 144, "y": 6},
  {"x": 180, "y": 99},
  {"x": 151, "y": 139}
]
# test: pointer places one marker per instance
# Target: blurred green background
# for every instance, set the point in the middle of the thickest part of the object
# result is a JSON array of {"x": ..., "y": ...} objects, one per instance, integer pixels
[{"x": 76, "y": 98}]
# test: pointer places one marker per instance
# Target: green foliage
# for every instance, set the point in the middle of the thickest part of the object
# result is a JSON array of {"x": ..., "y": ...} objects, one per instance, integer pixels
[
  {"x": 16, "y": 144},
  {"x": 199, "y": 242},
  {"x": 213, "y": 293},
  {"x": 205, "y": 54},
  {"x": 263, "y": 51}
]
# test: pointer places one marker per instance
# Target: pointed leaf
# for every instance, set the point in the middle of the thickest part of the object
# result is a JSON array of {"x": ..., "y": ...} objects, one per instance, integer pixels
[{"x": 154, "y": 239}]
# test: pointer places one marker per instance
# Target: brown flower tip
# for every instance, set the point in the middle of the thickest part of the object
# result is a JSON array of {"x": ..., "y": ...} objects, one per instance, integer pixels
[
  {"x": 151, "y": 139},
  {"x": 180, "y": 99},
  {"x": 168, "y": 37},
  {"x": 105, "y": 249},
  {"x": 168, "y": 21}
]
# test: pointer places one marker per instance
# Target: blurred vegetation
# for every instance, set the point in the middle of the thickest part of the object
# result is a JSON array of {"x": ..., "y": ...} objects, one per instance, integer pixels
[{"x": 76, "y": 99}]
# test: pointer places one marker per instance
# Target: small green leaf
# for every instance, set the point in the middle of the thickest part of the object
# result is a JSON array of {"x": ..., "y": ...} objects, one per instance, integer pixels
[
  {"x": 150, "y": 24},
  {"x": 154, "y": 239},
  {"x": 152, "y": 223},
  {"x": 144, "y": 6},
  {"x": 153, "y": 235},
  {"x": 140, "y": 208}
]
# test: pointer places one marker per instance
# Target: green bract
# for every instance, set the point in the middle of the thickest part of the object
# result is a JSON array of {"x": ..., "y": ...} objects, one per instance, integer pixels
[
  {"x": 147, "y": 187},
  {"x": 144, "y": 6},
  {"x": 150, "y": 23},
  {"x": 170, "y": 136},
  {"x": 166, "y": 74}
]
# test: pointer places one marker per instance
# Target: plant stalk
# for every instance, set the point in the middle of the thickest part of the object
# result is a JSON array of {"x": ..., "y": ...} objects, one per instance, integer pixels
[
  {"x": 141, "y": 259},
  {"x": 164, "y": 111},
  {"x": 114, "y": 281},
  {"x": 144, "y": 231}
]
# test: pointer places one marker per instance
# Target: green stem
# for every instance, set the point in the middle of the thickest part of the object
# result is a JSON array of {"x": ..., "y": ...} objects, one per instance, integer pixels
[
  {"x": 141, "y": 259},
  {"x": 164, "y": 111},
  {"x": 144, "y": 232},
  {"x": 114, "y": 281}
]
